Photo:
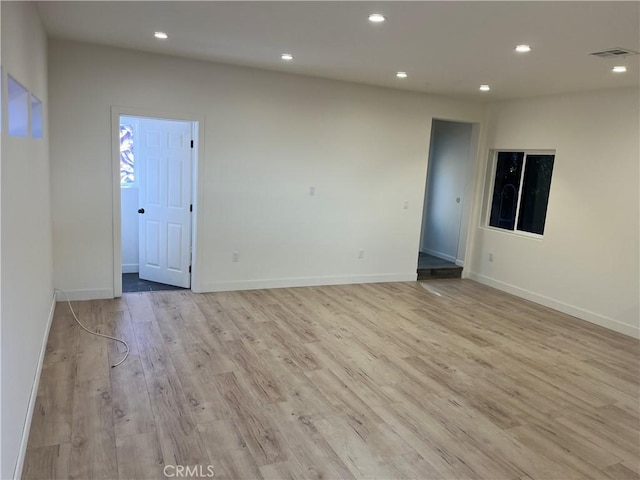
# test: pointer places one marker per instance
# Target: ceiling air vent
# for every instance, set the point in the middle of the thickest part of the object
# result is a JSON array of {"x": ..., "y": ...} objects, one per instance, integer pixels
[{"x": 615, "y": 53}]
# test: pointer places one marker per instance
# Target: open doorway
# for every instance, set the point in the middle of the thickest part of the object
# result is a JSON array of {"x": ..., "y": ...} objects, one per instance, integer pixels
[
  {"x": 157, "y": 162},
  {"x": 447, "y": 200}
]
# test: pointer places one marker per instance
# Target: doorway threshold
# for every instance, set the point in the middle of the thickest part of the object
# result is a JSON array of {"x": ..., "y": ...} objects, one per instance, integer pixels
[
  {"x": 131, "y": 282},
  {"x": 430, "y": 266}
]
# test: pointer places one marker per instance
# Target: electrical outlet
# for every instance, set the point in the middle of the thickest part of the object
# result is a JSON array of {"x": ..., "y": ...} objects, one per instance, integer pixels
[
  {"x": 235, "y": 257},
  {"x": 361, "y": 254},
  {"x": 312, "y": 191},
  {"x": 491, "y": 256},
  {"x": 405, "y": 205}
]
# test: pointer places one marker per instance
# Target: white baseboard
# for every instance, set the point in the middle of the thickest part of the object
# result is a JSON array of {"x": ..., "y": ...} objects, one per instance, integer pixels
[
  {"x": 88, "y": 294},
  {"x": 306, "y": 282},
  {"x": 130, "y": 268},
  {"x": 443, "y": 256},
  {"x": 581, "y": 313},
  {"x": 34, "y": 394}
]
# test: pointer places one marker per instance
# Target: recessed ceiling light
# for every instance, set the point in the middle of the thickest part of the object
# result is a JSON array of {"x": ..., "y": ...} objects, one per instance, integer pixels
[
  {"x": 377, "y": 18},
  {"x": 485, "y": 88},
  {"x": 523, "y": 48},
  {"x": 286, "y": 56},
  {"x": 401, "y": 74},
  {"x": 619, "y": 69},
  {"x": 161, "y": 35}
]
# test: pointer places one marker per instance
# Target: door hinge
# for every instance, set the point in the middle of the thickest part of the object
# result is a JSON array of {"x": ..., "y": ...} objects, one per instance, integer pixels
[
  {"x": 191, "y": 207},
  {"x": 189, "y": 268},
  {"x": 191, "y": 143}
]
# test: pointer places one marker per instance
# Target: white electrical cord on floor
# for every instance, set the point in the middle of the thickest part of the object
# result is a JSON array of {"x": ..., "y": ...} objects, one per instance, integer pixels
[{"x": 95, "y": 333}]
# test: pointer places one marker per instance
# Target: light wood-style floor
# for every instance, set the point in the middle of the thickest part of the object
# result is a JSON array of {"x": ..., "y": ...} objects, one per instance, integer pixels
[{"x": 455, "y": 380}]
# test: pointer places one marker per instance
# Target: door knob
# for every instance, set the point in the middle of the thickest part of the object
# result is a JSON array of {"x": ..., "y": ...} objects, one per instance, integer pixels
[
  {"x": 141, "y": 210},
  {"x": 457, "y": 200}
]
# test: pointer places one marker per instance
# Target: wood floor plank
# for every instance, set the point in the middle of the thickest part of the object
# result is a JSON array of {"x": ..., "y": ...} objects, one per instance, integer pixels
[
  {"x": 445, "y": 463},
  {"x": 206, "y": 402},
  {"x": 411, "y": 466},
  {"x": 251, "y": 418},
  {"x": 177, "y": 434},
  {"x": 119, "y": 325},
  {"x": 621, "y": 472},
  {"x": 309, "y": 450},
  {"x": 139, "y": 456},
  {"x": 338, "y": 393},
  {"x": 93, "y": 446},
  {"x": 253, "y": 364},
  {"x": 544, "y": 445},
  {"x": 360, "y": 459},
  {"x": 139, "y": 306},
  {"x": 177, "y": 338},
  {"x": 446, "y": 380},
  {"x": 288, "y": 470},
  {"x": 621, "y": 441},
  {"x": 462, "y": 439},
  {"x": 359, "y": 381},
  {"x": 93, "y": 354},
  {"x": 229, "y": 453},
  {"x": 131, "y": 406},
  {"x": 265, "y": 441},
  {"x": 47, "y": 463},
  {"x": 62, "y": 343},
  {"x": 285, "y": 340},
  {"x": 153, "y": 352},
  {"x": 52, "y": 416},
  {"x": 200, "y": 358}
]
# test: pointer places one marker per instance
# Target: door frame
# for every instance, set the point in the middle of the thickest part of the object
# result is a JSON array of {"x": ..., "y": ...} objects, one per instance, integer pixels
[
  {"x": 197, "y": 189},
  {"x": 469, "y": 195}
]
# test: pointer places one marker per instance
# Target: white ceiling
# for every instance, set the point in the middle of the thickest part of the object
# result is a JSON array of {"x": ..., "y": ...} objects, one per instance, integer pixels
[{"x": 447, "y": 47}]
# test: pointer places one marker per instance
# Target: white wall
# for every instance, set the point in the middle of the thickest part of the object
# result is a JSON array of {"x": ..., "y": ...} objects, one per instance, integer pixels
[
  {"x": 27, "y": 294},
  {"x": 129, "y": 219},
  {"x": 268, "y": 138},
  {"x": 587, "y": 264},
  {"x": 450, "y": 161}
]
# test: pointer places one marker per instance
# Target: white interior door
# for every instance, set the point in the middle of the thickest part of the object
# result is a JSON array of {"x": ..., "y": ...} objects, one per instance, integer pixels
[{"x": 163, "y": 158}]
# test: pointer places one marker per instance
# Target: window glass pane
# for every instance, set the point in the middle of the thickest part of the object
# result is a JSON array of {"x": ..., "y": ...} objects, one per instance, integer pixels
[
  {"x": 535, "y": 193},
  {"x": 505, "y": 190},
  {"x": 127, "y": 177},
  {"x": 18, "y": 109},
  {"x": 36, "y": 117}
]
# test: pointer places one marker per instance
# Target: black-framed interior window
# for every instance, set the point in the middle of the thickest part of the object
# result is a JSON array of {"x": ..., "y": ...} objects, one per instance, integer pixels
[{"x": 521, "y": 187}]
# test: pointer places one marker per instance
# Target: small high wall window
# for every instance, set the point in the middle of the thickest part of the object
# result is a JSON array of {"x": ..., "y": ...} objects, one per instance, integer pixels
[
  {"x": 17, "y": 109},
  {"x": 36, "y": 117},
  {"x": 127, "y": 173},
  {"x": 521, "y": 187}
]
